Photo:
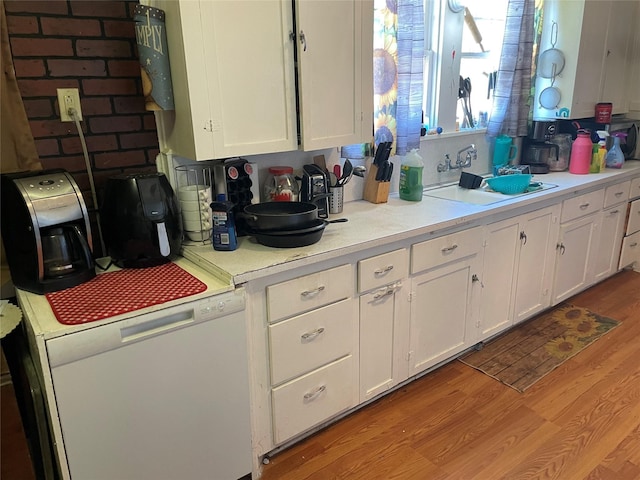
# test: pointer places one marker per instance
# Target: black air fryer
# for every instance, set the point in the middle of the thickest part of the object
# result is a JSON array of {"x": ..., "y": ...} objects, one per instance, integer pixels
[{"x": 140, "y": 220}]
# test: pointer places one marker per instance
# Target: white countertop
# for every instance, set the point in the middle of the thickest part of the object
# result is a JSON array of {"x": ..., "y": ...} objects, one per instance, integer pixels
[
  {"x": 371, "y": 225},
  {"x": 38, "y": 312}
]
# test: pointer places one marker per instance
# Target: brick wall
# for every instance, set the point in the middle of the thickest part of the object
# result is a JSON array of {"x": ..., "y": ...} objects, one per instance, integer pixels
[{"x": 89, "y": 45}]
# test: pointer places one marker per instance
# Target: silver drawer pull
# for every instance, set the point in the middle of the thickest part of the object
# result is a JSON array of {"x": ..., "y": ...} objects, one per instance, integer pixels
[
  {"x": 384, "y": 292},
  {"x": 386, "y": 269},
  {"x": 617, "y": 194},
  {"x": 306, "y": 293},
  {"x": 312, "y": 335},
  {"x": 449, "y": 249},
  {"x": 584, "y": 205},
  {"x": 312, "y": 395},
  {"x": 634, "y": 244},
  {"x": 614, "y": 212}
]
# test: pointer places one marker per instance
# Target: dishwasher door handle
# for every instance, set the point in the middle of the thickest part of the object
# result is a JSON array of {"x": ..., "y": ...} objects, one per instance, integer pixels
[{"x": 156, "y": 326}]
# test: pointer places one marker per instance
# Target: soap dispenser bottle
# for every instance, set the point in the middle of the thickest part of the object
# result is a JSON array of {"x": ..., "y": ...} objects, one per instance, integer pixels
[
  {"x": 224, "y": 228},
  {"x": 615, "y": 157}
]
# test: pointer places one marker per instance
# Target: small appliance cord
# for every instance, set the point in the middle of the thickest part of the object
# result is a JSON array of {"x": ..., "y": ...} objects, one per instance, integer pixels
[{"x": 72, "y": 113}]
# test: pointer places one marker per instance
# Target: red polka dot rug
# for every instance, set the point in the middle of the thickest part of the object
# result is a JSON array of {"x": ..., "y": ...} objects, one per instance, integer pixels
[{"x": 115, "y": 293}]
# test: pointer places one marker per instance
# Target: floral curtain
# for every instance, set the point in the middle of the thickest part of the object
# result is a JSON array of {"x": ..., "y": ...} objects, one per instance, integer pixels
[
  {"x": 512, "y": 95},
  {"x": 397, "y": 76}
]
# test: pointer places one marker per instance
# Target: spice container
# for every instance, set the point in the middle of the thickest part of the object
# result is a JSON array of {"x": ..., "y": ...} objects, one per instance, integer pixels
[{"x": 281, "y": 185}]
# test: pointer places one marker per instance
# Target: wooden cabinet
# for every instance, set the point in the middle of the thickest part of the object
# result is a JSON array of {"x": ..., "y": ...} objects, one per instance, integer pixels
[
  {"x": 517, "y": 275},
  {"x": 313, "y": 349},
  {"x": 233, "y": 66},
  {"x": 445, "y": 296},
  {"x": 596, "y": 38},
  {"x": 383, "y": 325}
]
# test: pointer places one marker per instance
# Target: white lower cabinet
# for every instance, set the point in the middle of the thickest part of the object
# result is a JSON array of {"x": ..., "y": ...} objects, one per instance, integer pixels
[
  {"x": 609, "y": 240},
  {"x": 317, "y": 396},
  {"x": 630, "y": 252},
  {"x": 313, "y": 349},
  {"x": 444, "y": 306},
  {"x": 382, "y": 359},
  {"x": 576, "y": 254},
  {"x": 383, "y": 325},
  {"x": 537, "y": 240}
]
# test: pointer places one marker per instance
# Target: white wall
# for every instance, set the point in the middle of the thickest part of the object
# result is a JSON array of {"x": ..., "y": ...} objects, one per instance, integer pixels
[{"x": 432, "y": 149}]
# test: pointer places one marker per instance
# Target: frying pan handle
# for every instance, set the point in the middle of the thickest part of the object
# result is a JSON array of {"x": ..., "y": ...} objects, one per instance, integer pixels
[{"x": 337, "y": 220}]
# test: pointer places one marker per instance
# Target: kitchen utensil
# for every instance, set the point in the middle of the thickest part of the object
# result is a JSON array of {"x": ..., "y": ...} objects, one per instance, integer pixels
[
  {"x": 337, "y": 171},
  {"x": 551, "y": 61},
  {"x": 509, "y": 184},
  {"x": 294, "y": 238},
  {"x": 504, "y": 150},
  {"x": 359, "y": 171},
  {"x": 347, "y": 172},
  {"x": 469, "y": 180},
  {"x": 543, "y": 153},
  {"x": 336, "y": 199},
  {"x": 561, "y": 163},
  {"x": 280, "y": 215},
  {"x": 550, "y": 96}
]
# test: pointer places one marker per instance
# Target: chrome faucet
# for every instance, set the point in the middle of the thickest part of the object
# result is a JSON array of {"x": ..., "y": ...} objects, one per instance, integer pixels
[
  {"x": 443, "y": 167},
  {"x": 471, "y": 154}
]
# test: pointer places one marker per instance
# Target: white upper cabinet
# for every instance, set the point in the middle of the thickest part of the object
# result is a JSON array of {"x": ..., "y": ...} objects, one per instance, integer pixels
[
  {"x": 596, "y": 39},
  {"x": 233, "y": 66}
]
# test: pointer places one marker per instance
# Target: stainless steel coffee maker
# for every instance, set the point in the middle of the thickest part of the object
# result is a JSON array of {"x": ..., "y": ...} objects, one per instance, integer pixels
[{"x": 46, "y": 231}]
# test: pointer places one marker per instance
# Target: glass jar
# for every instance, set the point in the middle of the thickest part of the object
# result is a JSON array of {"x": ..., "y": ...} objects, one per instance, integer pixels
[{"x": 281, "y": 185}]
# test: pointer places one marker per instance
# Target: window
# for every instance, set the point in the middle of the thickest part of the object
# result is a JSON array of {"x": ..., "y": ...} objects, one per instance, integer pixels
[{"x": 455, "y": 50}]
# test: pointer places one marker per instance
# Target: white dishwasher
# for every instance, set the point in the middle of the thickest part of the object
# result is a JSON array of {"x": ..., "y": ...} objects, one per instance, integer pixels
[{"x": 163, "y": 395}]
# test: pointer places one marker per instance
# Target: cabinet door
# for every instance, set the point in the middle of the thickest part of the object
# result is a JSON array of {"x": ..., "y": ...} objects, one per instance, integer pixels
[
  {"x": 575, "y": 254},
  {"x": 381, "y": 362},
  {"x": 232, "y": 68},
  {"x": 444, "y": 312},
  {"x": 609, "y": 242},
  {"x": 334, "y": 39},
  {"x": 617, "y": 61},
  {"x": 498, "y": 277},
  {"x": 538, "y": 237}
]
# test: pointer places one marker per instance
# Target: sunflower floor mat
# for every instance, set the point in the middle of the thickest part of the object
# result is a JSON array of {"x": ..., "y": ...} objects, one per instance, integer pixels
[{"x": 525, "y": 354}]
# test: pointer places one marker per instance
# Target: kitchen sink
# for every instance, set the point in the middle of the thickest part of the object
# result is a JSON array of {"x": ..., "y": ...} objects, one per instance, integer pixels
[{"x": 479, "y": 196}]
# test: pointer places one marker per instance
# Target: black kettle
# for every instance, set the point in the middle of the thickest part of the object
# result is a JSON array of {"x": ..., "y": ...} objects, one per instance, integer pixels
[{"x": 140, "y": 220}]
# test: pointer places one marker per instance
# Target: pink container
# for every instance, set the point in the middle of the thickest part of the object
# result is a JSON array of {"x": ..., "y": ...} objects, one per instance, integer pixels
[{"x": 581, "y": 153}]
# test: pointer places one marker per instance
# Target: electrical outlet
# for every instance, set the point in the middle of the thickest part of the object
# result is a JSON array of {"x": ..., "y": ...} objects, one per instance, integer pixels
[{"x": 69, "y": 98}]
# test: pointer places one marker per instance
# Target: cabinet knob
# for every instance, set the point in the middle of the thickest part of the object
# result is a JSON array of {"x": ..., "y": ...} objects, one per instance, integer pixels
[
  {"x": 523, "y": 236},
  {"x": 303, "y": 41}
]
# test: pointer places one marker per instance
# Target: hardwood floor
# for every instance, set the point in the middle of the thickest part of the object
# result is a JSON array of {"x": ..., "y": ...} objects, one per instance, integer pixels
[{"x": 582, "y": 421}]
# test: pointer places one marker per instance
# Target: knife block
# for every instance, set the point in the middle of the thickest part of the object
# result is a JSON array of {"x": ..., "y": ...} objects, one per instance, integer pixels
[{"x": 375, "y": 191}]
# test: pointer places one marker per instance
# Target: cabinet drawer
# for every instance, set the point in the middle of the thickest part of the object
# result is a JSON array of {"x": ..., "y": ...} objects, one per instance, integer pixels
[
  {"x": 304, "y": 343},
  {"x": 617, "y": 193},
  {"x": 633, "y": 217},
  {"x": 448, "y": 248},
  {"x": 382, "y": 270},
  {"x": 630, "y": 250},
  {"x": 313, "y": 398},
  {"x": 311, "y": 291},
  {"x": 634, "y": 191},
  {"x": 582, "y": 205}
]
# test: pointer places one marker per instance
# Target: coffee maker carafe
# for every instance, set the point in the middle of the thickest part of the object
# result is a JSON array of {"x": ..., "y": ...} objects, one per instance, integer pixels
[{"x": 46, "y": 231}]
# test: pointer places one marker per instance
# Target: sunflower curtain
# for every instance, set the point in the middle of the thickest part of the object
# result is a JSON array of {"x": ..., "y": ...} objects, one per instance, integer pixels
[
  {"x": 512, "y": 95},
  {"x": 398, "y": 63}
]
